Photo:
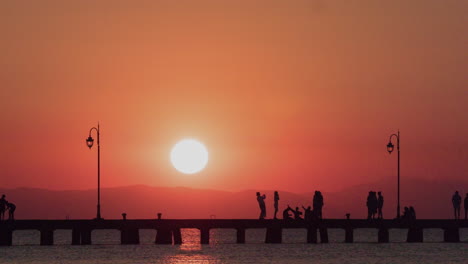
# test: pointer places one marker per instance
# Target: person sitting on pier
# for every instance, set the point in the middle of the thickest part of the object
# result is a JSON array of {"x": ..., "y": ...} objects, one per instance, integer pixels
[
  {"x": 276, "y": 203},
  {"x": 380, "y": 202},
  {"x": 412, "y": 213},
  {"x": 456, "y": 201},
  {"x": 286, "y": 215},
  {"x": 11, "y": 211},
  {"x": 406, "y": 213},
  {"x": 307, "y": 214},
  {"x": 261, "y": 203},
  {"x": 466, "y": 205},
  {"x": 297, "y": 214},
  {"x": 3, "y": 205}
]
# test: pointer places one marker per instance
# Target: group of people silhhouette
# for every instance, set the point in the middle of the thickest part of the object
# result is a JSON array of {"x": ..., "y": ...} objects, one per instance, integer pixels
[
  {"x": 4, "y": 206},
  {"x": 375, "y": 202},
  {"x": 456, "y": 201},
  {"x": 375, "y": 205},
  {"x": 289, "y": 213}
]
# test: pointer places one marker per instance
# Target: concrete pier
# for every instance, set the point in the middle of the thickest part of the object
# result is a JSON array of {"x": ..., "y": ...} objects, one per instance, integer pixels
[
  {"x": 451, "y": 235},
  {"x": 415, "y": 234},
  {"x": 169, "y": 230},
  {"x": 240, "y": 236},
  {"x": 312, "y": 235},
  {"x": 383, "y": 235},
  {"x": 129, "y": 236},
  {"x": 164, "y": 236},
  {"x": 274, "y": 235},
  {"x": 349, "y": 235},
  {"x": 47, "y": 237}
]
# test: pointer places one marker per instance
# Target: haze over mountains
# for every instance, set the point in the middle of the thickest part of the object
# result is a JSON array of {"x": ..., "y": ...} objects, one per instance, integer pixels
[{"x": 431, "y": 199}]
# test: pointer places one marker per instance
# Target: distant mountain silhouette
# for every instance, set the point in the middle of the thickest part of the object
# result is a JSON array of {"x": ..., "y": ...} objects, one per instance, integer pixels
[{"x": 431, "y": 199}]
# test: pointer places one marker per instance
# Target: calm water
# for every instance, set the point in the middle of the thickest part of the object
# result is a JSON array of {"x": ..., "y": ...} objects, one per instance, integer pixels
[{"x": 223, "y": 249}]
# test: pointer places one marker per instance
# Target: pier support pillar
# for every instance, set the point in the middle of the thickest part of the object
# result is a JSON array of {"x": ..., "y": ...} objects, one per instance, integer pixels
[
  {"x": 451, "y": 234},
  {"x": 164, "y": 236},
  {"x": 204, "y": 235},
  {"x": 129, "y": 236},
  {"x": 384, "y": 236},
  {"x": 415, "y": 234},
  {"x": 274, "y": 235},
  {"x": 47, "y": 237},
  {"x": 76, "y": 236},
  {"x": 85, "y": 236},
  {"x": 323, "y": 235},
  {"x": 177, "y": 235},
  {"x": 240, "y": 236},
  {"x": 349, "y": 235},
  {"x": 312, "y": 235},
  {"x": 6, "y": 237}
]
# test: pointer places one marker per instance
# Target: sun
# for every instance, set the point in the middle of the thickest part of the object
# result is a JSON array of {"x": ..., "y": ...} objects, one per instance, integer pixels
[{"x": 189, "y": 156}]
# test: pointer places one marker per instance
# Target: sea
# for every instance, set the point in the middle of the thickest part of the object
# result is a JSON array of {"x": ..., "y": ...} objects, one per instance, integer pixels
[{"x": 222, "y": 249}]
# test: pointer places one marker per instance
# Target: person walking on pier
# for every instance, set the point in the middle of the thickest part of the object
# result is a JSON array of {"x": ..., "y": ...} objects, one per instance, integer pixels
[
  {"x": 3, "y": 206},
  {"x": 261, "y": 203},
  {"x": 456, "y": 201},
  {"x": 466, "y": 206},
  {"x": 11, "y": 211},
  {"x": 380, "y": 201},
  {"x": 276, "y": 203}
]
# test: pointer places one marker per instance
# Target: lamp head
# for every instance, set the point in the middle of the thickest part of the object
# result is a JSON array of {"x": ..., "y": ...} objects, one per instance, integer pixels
[
  {"x": 89, "y": 142},
  {"x": 390, "y": 147}
]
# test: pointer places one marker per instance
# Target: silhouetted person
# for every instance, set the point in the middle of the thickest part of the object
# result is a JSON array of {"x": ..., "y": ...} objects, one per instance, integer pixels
[
  {"x": 371, "y": 205},
  {"x": 456, "y": 201},
  {"x": 3, "y": 206},
  {"x": 276, "y": 203},
  {"x": 286, "y": 215},
  {"x": 466, "y": 206},
  {"x": 317, "y": 204},
  {"x": 412, "y": 213},
  {"x": 380, "y": 202},
  {"x": 406, "y": 213},
  {"x": 261, "y": 203},
  {"x": 11, "y": 211},
  {"x": 297, "y": 214},
  {"x": 308, "y": 214}
]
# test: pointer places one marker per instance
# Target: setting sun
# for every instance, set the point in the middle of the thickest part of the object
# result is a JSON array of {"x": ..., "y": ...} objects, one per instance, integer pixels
[{"x": 189, "y": 156}]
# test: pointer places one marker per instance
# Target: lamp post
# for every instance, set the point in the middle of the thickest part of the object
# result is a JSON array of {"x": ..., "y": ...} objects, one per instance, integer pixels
[
  {"x": 390, "y": 148},
  {"x": 89, "y": 143}
]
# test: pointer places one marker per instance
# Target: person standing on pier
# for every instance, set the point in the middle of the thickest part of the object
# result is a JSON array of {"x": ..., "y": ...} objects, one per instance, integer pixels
[
  {"x": 3, "y": 205},
  {"x": 456, "y": 201},
  {"x": 276, "y": 203},
  {"x": 317, "y": 204},
  {"x": 11, "y": 211},
  {"x": 466, "y": 206},
  {"x": 380, "y": 201},
  {"x": 261, "y": 203}
]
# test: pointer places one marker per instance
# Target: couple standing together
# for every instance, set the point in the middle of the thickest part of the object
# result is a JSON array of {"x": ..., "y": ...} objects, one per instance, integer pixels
[{"x": 261, "y": 203}]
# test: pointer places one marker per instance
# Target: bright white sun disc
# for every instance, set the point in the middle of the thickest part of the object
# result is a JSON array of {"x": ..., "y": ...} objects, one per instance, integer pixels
[{"x": 189, "y": 156}]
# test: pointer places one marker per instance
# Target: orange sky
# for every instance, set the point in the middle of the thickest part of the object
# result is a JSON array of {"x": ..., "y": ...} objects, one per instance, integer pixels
[{"x": 292, "y": 95}]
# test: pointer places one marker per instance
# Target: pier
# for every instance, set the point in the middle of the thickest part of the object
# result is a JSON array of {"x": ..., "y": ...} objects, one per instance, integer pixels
[{"x": 169, "y": 230}]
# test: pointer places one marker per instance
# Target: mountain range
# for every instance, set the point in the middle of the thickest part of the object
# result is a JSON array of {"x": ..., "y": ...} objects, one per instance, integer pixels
[{"x": 431, "y": 199}]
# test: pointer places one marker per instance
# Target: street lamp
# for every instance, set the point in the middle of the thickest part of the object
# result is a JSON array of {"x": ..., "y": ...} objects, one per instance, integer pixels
[
  {"x": 89, "y": 143},
  {"x": 390, "y": 148}
]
